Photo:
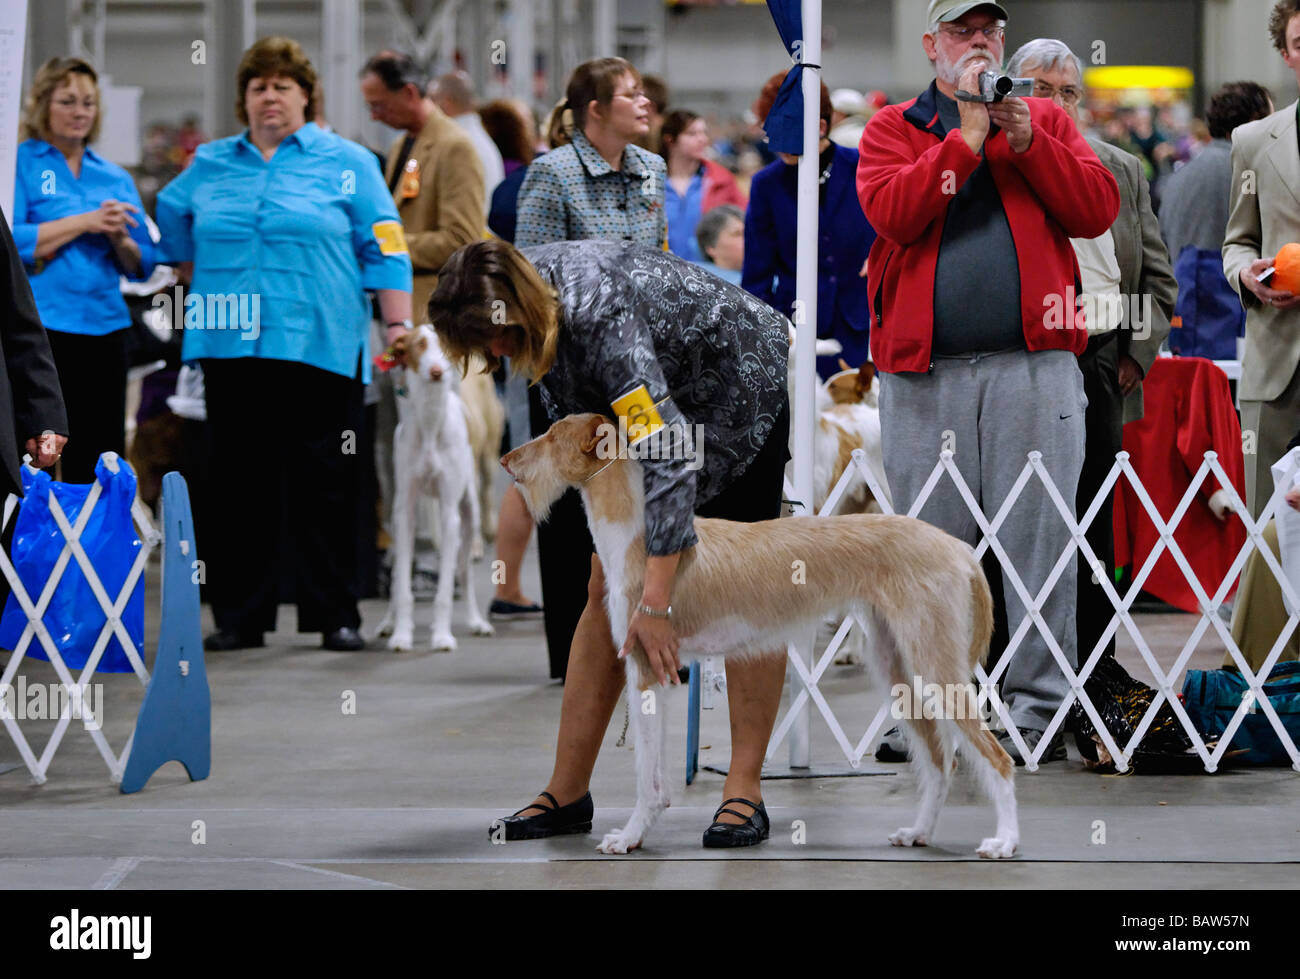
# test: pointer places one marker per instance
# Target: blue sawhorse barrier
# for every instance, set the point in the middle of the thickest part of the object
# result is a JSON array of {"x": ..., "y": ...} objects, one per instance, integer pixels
[{"x": 175, "y": 721}]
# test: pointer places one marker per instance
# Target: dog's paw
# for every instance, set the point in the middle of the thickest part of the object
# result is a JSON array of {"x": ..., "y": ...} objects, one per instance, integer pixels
[
  {"x": 908, "y": 836},
  {"x": 996, "y": 849},
  {"x": 385, "y": 629},
  {"x": 847, "y": 657},
  {"x": 481, "y": 629},
  {"x": 619, "y": 841},
  {"x": 400, "y": 642},
  {"x": 442, "y": 642}
]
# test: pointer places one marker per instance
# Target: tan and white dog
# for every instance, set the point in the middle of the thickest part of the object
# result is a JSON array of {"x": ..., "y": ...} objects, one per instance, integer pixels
[
  {"x": 432, "y": 457},
  {"x": 921, "y": 592}
]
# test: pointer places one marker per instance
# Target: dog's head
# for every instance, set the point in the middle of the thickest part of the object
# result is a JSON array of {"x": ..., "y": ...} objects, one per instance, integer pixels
[
  {"x": 853, "y": 387},
  {"x": 572, "y": 451},
  {"x": 419, "y": 353}
]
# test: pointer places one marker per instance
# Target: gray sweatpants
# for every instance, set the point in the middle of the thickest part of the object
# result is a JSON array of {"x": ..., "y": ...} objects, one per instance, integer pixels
[{"x": 991, "y": 410}]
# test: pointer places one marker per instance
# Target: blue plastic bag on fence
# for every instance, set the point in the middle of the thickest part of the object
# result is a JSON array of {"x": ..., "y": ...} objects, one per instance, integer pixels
[
  {"x": 74, "y": 617},
  {"x": 1213, "y": 696},
  {"x": 1208, "y": 317}
]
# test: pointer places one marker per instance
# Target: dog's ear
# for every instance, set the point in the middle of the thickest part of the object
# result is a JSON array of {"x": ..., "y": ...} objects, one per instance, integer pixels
[
  {"x": 591, "y": 434},
  {"x": 866, "y": 374},
  {"x": 413, "y": 350},
  {"x": 844, "y": 365},
  {"x": 399, "y": 345}
]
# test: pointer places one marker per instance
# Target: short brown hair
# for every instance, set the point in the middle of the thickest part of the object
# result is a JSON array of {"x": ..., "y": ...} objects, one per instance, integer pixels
[
  {"x": 675, "y": 123},
  {"x": 36, "y": 107},
  {"x": 268, "y": 58},
  {"x": 488, "y": 285},
  {"x": 508, "y": 130},
  {"x": 596, "y": 80},
  {"x": 1279, "y": 19}
]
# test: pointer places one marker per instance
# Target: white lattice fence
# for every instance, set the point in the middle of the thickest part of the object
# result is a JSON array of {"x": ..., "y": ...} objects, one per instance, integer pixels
[
  {"x": 113, "y": 626},
  {"x": 1162, "y": 680}
]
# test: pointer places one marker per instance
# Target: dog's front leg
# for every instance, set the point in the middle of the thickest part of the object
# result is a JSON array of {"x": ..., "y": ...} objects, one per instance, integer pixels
[
  {"x": 646, "y": 709},
  {"x": 398, "y": 623},
  {"x": 469, "y": 531}
]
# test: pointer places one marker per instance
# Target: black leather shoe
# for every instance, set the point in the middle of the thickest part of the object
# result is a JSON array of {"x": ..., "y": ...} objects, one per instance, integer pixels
[
  {"x": 557, "y": 820},
  {"x": 345, "y": 640},
  {"x": 223, "y": 641},
  {"x": 753, "y": 830}
]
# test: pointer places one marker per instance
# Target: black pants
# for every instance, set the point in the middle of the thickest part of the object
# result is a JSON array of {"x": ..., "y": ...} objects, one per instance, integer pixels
[
  {"x": 1104, "y": 421},
  {"x": 565, "y": 547},
  {"x": 284, "y": 452},
  {"x": 92, "y": 374}
]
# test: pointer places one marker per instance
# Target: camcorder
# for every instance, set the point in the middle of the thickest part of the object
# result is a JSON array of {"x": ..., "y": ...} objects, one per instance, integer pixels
[{"x": 995, "y": 88}]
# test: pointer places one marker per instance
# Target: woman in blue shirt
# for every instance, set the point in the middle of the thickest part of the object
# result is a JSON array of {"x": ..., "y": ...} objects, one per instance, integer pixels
[
  {"x": 283, "y": 229},
  {"x": 79, "y": 227}
]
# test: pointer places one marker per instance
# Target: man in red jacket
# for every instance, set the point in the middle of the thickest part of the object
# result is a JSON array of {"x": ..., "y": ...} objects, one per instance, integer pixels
[{"x": 976, "y": 330}]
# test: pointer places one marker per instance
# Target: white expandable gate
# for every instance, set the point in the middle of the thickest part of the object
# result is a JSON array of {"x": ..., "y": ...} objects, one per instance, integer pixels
[
  {"x": 1254, "y": 699},
  {"x": 74, "y": 690}
]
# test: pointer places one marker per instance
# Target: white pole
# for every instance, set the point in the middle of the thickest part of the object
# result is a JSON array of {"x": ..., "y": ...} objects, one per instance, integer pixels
[
  {"x": 13, "y": 38},
  {"x": 805, "y": 321}
]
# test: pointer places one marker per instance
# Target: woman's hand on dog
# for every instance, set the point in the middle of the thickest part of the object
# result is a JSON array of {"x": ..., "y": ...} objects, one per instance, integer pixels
[{"x": 659, "y": 641}]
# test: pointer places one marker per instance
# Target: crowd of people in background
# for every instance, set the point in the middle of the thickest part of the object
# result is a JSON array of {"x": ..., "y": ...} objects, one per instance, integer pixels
[{"x": 621, "y": 158}]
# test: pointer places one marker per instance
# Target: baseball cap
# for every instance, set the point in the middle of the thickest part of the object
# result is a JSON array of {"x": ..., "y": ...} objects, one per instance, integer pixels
[
  {"x": 943, "y": 11},
  {"x": 849, "y": 101}
]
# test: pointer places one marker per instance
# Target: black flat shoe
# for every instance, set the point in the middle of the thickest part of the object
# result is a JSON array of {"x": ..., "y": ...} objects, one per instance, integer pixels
[
  {"x": 557, "y": 820},
  {"x": 344, "y": 640},
  {"x": 223, "y": 641},
  {"x": 753, "y": 830}
]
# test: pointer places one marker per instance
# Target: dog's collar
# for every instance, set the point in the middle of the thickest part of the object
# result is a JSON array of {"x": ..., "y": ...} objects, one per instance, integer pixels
[{"x": 601, "y": 469}]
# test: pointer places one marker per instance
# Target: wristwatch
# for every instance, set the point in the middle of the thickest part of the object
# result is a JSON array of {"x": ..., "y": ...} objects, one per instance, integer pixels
[
  {"x": 405, "y": 324},
  {"x": 655, "y": 613}
]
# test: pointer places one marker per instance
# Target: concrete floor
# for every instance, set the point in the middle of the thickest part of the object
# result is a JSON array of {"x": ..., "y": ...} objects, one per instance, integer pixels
[{"x": 401, "y": 793}]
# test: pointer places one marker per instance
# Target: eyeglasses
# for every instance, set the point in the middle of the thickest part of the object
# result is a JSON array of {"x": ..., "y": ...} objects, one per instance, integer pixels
[
  {"x": 993, "y": 32},
  {"x": 1068, "y": 93},
  {"x": 636, "y": 96}
]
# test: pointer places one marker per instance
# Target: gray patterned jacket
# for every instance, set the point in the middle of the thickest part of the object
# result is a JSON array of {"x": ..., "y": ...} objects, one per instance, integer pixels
[{"x": 707, "y": 353}]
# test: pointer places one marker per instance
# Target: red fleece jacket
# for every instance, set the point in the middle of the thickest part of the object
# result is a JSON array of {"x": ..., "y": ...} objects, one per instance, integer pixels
[{"x": 1054, "y": 191}]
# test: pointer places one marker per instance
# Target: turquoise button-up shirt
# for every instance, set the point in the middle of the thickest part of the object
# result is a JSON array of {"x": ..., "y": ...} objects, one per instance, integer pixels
[
  {"x": 78, "y": 288},
  {"x": 283, "y": 249}
]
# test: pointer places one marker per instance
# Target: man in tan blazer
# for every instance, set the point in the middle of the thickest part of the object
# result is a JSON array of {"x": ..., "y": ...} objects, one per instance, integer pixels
[
  {"x": 432, "y": 169},
  {"x": 1265, "y": 216}
]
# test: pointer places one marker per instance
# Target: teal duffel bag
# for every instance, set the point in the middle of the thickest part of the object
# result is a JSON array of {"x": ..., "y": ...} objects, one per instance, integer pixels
[{"x": 1213, "y": 696}]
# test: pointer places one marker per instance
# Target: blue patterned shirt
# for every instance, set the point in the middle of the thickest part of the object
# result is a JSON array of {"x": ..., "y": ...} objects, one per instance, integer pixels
[{"x": 571, "y": 193}]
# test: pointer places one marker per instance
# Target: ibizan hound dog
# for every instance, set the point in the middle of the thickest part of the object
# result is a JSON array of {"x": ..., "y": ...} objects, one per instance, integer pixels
[
  {"x": 432, "y": 457},
  {"x": 921, "y": 592}
]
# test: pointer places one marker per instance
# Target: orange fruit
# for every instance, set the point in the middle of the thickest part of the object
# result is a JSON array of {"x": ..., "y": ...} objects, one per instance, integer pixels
[{"x": 1287, "y": 263}]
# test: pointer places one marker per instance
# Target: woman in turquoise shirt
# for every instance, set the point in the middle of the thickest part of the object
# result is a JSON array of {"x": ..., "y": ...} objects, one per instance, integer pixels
[
  {"x": 283, "y": 228},
  {"x": 78, "y": 227}
]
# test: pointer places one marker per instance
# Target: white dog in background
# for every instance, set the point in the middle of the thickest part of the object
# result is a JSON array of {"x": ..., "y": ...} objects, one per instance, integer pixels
[
  {"x": 922, "y": 592},
  {"x": 432, "y": 457}
]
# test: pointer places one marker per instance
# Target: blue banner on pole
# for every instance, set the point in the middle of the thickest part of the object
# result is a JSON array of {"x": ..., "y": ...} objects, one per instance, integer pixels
[{"x": 784, "y": 123}]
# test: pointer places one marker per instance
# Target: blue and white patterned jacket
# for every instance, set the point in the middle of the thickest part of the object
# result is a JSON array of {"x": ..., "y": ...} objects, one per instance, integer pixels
[{"x": 571, "y": 193}]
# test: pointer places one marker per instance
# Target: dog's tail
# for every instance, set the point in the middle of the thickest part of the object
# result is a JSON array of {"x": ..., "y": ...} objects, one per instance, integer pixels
[{"x": 981, "y": 615}]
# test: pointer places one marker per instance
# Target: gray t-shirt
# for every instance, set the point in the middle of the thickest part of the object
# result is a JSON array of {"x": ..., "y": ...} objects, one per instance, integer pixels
[{"x": 977, "y": 279}]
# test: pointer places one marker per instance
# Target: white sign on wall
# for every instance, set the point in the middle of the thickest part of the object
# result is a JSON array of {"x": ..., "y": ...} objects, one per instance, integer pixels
[{"x": 13, "y": 39}]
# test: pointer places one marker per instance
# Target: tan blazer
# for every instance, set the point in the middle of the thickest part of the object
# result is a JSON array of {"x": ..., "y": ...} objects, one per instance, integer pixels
[
  {"x": 1265, "y": 159},
  {"x": 1143, "y": 260},
  {"x": 447, "y": 212}
]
